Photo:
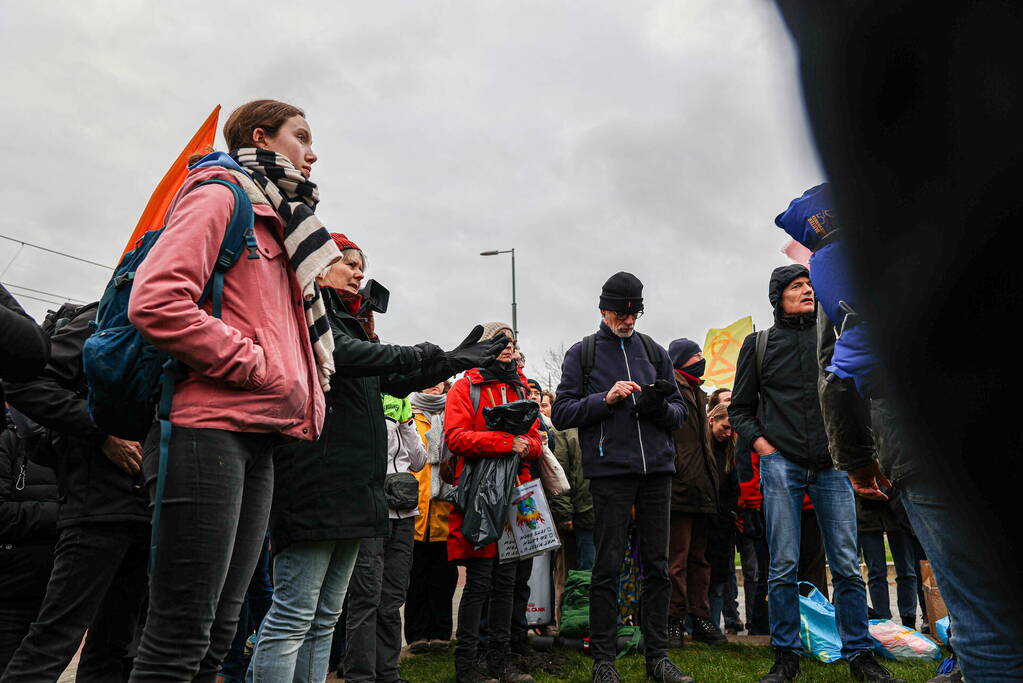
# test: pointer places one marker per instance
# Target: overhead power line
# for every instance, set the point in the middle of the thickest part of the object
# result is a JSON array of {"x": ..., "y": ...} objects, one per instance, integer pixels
[
  {"x": 54, "y": 251},
  {"x": 39, "y": 291},
  {"x": 39, "y": 298}
]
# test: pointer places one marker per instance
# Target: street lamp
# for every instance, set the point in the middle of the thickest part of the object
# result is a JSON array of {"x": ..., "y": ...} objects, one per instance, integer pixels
[{"x": 515, "y": 315}]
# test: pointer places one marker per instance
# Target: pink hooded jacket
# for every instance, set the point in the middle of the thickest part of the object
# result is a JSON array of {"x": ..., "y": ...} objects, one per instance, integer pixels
[{"x": 254, "y": 369}]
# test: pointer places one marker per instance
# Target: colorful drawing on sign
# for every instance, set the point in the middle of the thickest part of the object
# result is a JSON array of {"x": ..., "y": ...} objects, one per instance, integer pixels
[{"x": 526, "y": 513}]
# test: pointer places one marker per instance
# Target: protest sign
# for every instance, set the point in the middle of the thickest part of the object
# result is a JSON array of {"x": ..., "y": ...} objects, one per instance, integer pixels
[{"x": 529, "y": 530}]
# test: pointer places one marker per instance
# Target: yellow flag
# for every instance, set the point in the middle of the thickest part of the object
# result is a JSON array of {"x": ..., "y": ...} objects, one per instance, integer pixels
[{"x": 722, "y": 351}]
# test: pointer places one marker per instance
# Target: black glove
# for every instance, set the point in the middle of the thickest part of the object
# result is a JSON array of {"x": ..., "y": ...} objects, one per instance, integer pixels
[
  {"x": 651, "y": 403},
  {"x": 428, "y": 353},
  {"x": 473, "y": 353}
]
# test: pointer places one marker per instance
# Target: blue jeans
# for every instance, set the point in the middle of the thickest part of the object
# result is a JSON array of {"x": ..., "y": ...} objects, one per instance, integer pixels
[
  {"x": 585, "y": 548},
  {"x": 783, "y": 484},
  {"x": 901, "y": 542},
  {"x": 987, "y": 631},
  {"x": 310, "y": 580}
]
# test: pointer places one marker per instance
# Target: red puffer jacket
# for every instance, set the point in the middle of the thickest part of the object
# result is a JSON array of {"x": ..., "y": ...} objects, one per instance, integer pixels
[
  {"x": 750, "y": 497},
  {"x": 467, "y": 436}
]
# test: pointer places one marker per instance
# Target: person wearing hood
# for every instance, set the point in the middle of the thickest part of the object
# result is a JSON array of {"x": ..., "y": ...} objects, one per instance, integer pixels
[
  {"x": 432, "y": 585},
  {"x": 694, "y": 501},
  {"x": 467, "y": 436},
  {"x": 329, "y": 494},
  {"x": 775, "y": 405},
  {"x": 618, "y": 388}
]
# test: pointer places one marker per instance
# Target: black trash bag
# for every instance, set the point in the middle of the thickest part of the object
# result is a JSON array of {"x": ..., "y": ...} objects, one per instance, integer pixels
[
  {"x": 515, "y": 418},
  {"x": 483, "y": 494}
]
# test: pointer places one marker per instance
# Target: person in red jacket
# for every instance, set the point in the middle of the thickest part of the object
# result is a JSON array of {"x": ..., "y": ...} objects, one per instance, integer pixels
[{"x": 467, "y": 437}]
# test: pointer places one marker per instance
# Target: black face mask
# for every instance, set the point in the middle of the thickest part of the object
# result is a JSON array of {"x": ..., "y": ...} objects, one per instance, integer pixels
[{"x": 696, "y": 369}]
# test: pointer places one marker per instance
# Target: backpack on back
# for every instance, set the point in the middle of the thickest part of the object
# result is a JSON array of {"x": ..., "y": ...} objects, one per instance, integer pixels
[{"x": 588, "y": 355}]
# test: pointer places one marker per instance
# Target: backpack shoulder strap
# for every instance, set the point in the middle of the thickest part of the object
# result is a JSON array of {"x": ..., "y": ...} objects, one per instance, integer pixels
[
  {"x": 239, "y": 235},
  {"x": 474, "y": 396},
  {"x": 653, "y": 351},
  {"x": 587, "y": 358},
  {"x": 761, "y": 351}
]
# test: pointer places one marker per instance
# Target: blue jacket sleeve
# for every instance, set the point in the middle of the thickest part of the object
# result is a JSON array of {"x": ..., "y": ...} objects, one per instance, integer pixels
[{"x": 571, "y": 407}]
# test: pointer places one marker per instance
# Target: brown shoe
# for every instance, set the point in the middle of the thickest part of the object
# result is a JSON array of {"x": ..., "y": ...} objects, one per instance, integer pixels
[
  {"x": 438, "y": 644},
  {"x": 418, "y": 647}
]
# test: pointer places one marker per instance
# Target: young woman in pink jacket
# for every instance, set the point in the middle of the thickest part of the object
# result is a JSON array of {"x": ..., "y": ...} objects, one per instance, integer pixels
[{"x": 255, "y": 375}]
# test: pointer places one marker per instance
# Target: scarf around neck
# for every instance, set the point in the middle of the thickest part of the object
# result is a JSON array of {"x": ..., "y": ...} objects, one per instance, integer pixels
[
  {"x": 270, "y": 178},
  {"x": 430, "y": 404},
  {"x": 503, "y": 372}
]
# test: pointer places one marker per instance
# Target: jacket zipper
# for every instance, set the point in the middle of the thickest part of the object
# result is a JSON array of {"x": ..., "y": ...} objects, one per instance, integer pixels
[{"x": 639, "y": 429}]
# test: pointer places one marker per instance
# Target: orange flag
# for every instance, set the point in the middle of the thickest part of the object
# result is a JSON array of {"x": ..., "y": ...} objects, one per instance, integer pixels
[{"x": 152, "y": 217}]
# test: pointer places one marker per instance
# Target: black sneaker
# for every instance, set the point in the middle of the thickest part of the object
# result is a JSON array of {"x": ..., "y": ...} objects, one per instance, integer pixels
[
  {"x": 864, "y": 667},
  {"x": 676, "y": 633},
  {"x": 663, "y": 670},
  {"x": 705, "y": 631},
  {"x": 500, "y": 667},
  {"x": 786, "y": 667},
  {"x": 605, "y": 672}
]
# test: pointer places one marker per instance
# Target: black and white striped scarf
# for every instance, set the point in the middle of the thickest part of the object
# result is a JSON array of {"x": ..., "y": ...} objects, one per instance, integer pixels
[{"x": 309, "y": 246}]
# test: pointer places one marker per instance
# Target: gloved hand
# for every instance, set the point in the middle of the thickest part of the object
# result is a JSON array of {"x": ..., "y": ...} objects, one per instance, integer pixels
[
  {"x": 472, "y": 353},
  {"x": 650, "y": 402},
  {"x": 429, "y": 353}
]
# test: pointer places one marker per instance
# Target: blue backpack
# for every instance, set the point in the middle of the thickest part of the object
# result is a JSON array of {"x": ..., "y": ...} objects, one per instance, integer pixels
[{"x": 130, "y": 380}]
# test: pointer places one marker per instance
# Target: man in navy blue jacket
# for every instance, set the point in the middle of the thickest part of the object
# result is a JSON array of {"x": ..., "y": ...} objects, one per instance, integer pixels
[{"x": 618, "y": 388}]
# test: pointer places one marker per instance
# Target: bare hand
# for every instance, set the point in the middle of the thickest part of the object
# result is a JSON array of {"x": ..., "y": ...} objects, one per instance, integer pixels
[
  {"x": 125, "y": 454},
  {"x": 763, "y": 447},
  {"x": 520, "y": 445},
  {"x": 621, "y": 390},
  {"x": 865, "y": 481}
]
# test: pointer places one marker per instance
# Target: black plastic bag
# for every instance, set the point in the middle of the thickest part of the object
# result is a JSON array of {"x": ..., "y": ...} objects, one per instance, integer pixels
[
  {"x": 483, "y": 494},
  {"x": 515, "y": 418}
]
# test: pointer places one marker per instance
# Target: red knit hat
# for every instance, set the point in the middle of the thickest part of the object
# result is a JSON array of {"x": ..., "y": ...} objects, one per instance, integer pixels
[{"x": 343, "y": 242}]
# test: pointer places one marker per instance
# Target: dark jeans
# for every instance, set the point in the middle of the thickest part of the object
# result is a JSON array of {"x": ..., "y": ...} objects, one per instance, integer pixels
[
  {"x": 215, "y": 511},
  {"x": 98, "y": 583},
  {"x": 487, "y": 581},
  {"x": 613, "y": 500},
  {"x": 901, "y": 543},
  {"x": 520, "y": 623},
  {"x": 688, "y": 567},
  {"x": 15, "y": 620},
  {"x": 748, "y": 560},
  {"x": 376, "y": 593},
  {"x": 759, "y": 618},
  {"x": 431, "y": 588},
  {"x": 254, "y": 608}
]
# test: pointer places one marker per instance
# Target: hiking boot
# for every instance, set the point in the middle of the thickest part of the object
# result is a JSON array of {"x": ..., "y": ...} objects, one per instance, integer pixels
[
  {"x": 500, "y": 667},
  {"x": 418, "y": 647},
  {"x": 676, "y": 633},
  {"x": 605, "y": 672},
  {"x": 472, "y": 674},
  {"x": 864, "y": 667},
  {"x": 663, "y": 670},
  {"x": 786, "y": 667},
  {"x": 705, "y": 631}
]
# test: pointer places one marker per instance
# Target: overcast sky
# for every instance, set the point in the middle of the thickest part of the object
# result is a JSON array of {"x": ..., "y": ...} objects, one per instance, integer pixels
[{"x": 656, "y": 137}]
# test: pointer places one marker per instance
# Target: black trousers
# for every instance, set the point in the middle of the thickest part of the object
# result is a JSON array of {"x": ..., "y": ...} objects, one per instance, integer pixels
[
  {"x": 486, "y": 580},
  {"x": 613, "y": 500},
  {"x": 428, "y": 608},
  {"x": 98, "y": 583},
  {"x": 215, "y": 512},
  {"x": 520, "y": 621}
]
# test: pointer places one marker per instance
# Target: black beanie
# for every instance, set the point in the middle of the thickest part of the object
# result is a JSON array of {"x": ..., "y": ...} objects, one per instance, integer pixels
[
  {"x": 682, "y": 350},
  {"x": 622, "y": 293}
]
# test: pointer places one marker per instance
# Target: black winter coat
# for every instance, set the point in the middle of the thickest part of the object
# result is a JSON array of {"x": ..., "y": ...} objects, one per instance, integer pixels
[
  {"x": 782, "y": 405},
  {"x": 92, "y": 489},
  {"x": 24, "y": 347},
  {"x": 28, "y": 519},
  {"x": 694, "y": 488},
  {"x": 333, "y": 488},
  {"x": 614, "y": 439}
]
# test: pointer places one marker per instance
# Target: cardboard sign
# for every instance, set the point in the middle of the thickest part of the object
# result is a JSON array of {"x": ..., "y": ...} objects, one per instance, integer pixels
[
  {"x": 529, "y": 530},
  {"x": 932, "y": 597}
]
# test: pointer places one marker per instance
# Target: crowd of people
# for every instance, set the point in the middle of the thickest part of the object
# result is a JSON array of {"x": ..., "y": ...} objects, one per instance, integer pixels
[{"x": 301, "y": 496}]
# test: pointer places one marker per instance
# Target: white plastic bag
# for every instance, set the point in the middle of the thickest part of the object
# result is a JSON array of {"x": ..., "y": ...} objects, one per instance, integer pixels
[
  {"x": 894, "y": 641},
  {"x": 552, "y": 474}
]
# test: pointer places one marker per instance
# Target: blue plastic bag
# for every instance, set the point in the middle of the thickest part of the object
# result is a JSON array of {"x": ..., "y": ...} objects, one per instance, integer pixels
[
  {"x": 942, "y": 627},
  {"x": 818, "y": 629}
]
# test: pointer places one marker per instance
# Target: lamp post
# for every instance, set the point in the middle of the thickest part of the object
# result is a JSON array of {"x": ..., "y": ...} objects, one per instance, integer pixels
[{"x": 515, "y": 315}]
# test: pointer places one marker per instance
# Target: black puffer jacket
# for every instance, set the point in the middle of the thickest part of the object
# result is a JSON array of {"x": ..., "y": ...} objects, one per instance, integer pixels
[
  {"x": 783, "y": 405},
  {"x": 93, "y": 490},
  {"x": 333, "y": 488},
  {"x": 24, "y": 347},
  {"x": 28, "y": 518}
]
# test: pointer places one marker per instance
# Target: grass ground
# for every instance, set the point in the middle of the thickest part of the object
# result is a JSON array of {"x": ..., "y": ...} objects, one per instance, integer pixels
[{"x": 707, "y": 664}]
